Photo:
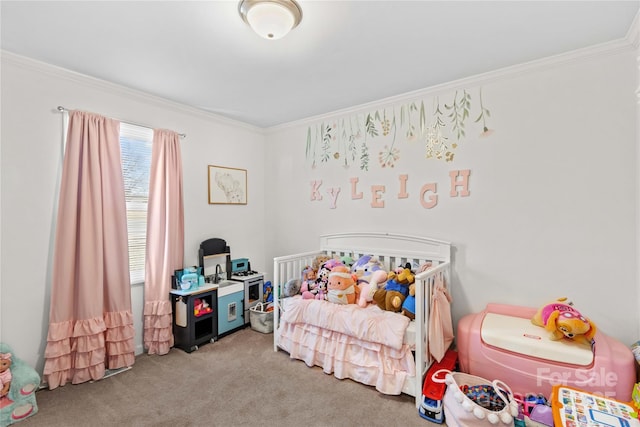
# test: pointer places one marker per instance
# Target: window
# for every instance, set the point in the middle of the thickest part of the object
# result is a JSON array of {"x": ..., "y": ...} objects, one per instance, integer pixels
[{"x": 135, "y": 146}]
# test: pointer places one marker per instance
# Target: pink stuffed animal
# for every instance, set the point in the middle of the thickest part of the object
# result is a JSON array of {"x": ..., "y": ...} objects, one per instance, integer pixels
[{"x": 368, "y": 289}]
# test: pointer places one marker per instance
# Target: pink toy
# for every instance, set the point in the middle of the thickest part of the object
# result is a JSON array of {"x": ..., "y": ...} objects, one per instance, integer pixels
[
  {"x": 369, "y": 288},
  {"x": 501, "y": 342},
  {"x": 562, "y": 320},
  {"x": 310, "y": 288}
]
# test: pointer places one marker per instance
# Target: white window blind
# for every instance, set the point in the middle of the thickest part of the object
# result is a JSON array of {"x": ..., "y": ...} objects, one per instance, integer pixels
[{"x": 135, "y": 144}]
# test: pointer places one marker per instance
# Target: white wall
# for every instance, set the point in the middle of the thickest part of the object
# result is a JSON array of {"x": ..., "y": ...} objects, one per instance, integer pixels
[
  {"x": 553, "y": 206},
  {"x": 552, "y": 210},
  {"x": 31, "y": 167}
]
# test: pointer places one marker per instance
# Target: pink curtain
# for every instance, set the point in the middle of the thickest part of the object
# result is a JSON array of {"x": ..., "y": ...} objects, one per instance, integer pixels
[
  {"x": 165, "y": 239},
  {"x": 90, "y": 320},
  {"x": 440, "y": 323}
]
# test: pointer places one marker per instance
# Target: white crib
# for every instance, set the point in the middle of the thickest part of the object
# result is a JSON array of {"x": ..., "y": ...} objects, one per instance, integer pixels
[{"x": 393, "y": 250}]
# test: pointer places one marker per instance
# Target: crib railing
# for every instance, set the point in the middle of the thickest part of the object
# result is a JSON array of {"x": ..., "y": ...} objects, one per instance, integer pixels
[{"x": 425, "y": 283}]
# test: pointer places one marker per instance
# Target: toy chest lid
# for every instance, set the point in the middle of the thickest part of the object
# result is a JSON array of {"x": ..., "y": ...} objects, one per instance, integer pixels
[{"x": 520, "y": 336}]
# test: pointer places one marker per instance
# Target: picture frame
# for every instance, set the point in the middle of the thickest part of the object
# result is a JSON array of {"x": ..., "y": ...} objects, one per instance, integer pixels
[{"x": 227, "y": 186}]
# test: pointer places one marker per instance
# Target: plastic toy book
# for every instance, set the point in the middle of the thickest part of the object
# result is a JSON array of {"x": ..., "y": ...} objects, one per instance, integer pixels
[{"x": 576, "y": 408}]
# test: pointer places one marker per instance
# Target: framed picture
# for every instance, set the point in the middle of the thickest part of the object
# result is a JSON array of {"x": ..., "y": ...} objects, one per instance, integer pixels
[{"x": 227, "y": 186}]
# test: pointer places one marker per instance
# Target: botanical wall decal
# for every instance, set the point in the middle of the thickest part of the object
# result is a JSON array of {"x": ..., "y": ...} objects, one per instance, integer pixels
[{"x": 351, "y": 140}]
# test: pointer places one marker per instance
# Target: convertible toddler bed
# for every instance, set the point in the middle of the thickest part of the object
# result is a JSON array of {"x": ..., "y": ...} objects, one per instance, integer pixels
[{"x": 369, "y": 345}]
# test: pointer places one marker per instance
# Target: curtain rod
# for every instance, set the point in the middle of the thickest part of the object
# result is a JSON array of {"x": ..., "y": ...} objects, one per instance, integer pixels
[{"x": 181, "y": 135}]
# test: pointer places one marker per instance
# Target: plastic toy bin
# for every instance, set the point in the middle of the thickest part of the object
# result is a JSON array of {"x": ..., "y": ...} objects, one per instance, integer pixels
[{"x": 500, "y": 342}]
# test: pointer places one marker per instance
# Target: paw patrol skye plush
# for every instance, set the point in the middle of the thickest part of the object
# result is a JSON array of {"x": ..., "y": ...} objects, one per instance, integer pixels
[{"x": 561, "y": 320}]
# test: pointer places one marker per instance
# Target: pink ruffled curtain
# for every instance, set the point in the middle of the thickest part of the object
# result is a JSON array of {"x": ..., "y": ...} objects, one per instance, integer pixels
[
  {"x": 165, "y": 239},
  {"x": 90, "y": 320}
]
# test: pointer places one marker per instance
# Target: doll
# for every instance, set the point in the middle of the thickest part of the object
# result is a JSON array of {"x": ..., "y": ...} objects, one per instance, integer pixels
[
  {"x": 5, "y": 374},
  {"x": 309, "y": 287}
]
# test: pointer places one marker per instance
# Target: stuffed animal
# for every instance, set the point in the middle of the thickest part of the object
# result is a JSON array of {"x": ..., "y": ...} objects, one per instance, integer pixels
[
  {"x": 291, "y": 288},
  {"x": 396, "y": 290},
  {"x": 342, "y": 288},
  {"x": 388, "y": 300},
  {"x": 347, "y": 260},
  {"x": 310, "y": 287},
  {"x": 370, "y": 277},
  {"x": 365, "y": 265},
  {"x": 367, "y": 289},
  {"x": 319, "y": 260},
  {"x": 409, "y": 304},
  {"x": 561, "y": 320},
  {"x": 322, "y": 281},
  {"x": 5, "y": 374}
]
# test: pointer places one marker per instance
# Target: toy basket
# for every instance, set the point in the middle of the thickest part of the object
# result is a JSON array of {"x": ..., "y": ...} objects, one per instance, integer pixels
[
  {"x": 492, "y": 404},
  {"x": 261, "y": 317}
]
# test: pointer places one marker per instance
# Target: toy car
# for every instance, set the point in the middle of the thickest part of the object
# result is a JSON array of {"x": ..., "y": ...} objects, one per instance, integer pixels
[{"x": 433, "y": 392}]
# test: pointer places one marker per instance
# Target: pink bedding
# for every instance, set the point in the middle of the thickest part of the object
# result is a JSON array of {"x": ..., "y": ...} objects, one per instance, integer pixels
[{"x": 363, "y": 344}]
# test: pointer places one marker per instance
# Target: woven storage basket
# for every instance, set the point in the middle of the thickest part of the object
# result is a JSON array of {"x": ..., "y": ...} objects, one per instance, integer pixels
[{"x": 261, "y": 319}]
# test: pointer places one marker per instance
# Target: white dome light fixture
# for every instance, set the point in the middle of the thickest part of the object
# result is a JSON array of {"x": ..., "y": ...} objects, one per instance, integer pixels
[{"x": 271, "y": 19}]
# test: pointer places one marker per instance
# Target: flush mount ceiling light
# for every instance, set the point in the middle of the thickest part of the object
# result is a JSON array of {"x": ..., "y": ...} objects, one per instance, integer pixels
[{"x": 271, "y": 19}]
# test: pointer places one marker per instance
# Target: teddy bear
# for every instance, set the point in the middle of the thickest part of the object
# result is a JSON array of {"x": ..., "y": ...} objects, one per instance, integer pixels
[
  {"x": 561, "y": 320},
  {"x": 319, "y": 260},
  {"x": 5, "y": 374},
  {"x": 396, "y": 290},
  {"x": 341, "y": 288},
  {"x": 310, "y": 288}
]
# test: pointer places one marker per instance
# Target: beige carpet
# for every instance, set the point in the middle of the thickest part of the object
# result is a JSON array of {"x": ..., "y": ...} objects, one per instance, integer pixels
[{"x": 236, "y": 381}]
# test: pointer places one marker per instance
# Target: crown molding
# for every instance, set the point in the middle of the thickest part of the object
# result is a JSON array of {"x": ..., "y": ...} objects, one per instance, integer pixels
[
  {"x": 629, "y": 43},
  {"x": 133, "y": 94}
]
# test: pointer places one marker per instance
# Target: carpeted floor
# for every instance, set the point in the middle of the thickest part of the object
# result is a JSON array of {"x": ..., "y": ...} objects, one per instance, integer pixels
[{"x": 236, "y": 381}]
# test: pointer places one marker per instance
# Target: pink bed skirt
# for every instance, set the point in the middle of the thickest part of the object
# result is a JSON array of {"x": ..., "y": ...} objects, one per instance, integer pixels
[{"x": 369, "y": 363}]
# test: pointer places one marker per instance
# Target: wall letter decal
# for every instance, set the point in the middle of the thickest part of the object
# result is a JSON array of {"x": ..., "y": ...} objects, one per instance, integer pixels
[
  {"x": 403, "y": 187},
  {"x": 464, "y": 183},
  {"x": 354, "y": 194},
  {"x": 433, "y": 199},
  {"x": 376, "y": 195},
  {"x": 333, "y": 193},
  {"x": 315, "y": 193}
]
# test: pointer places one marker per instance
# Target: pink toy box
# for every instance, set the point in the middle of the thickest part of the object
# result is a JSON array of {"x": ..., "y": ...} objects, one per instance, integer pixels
[{"x": 502, "y": 343}]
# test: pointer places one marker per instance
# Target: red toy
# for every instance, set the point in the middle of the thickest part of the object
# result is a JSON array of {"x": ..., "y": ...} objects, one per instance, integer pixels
[
  {"x": 201, "y": 307},
  {"x": 433, "y": 392}
]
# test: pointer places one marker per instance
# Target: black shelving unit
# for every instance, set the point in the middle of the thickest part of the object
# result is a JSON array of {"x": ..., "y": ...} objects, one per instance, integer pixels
[{"x": 195, "y": 329}]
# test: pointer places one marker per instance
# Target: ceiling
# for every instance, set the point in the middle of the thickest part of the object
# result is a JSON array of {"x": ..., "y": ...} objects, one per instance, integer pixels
[{"x": 343, "y": 54}]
